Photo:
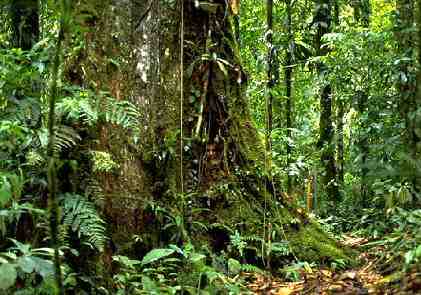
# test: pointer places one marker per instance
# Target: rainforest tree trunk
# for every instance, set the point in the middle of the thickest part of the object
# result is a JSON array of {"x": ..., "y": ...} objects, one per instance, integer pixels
[
  {"x": 362, "y": 98},
  {"x": 417, "y": 117},
  {"x": 271, "y": 84},
  {"x": 340, "y": 133},
  {"x": 340, "y": 113},
  {"x": 288, "y": 82},
  {"x": 323, "y": 20},
  {"x": 406, "y": 84},
  {"x": 363, "y": 6},
  {"x": 223, "y": 163}
]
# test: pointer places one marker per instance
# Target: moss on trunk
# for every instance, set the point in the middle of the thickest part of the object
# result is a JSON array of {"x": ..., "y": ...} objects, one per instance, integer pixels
[{"x": 223, "y": 153}]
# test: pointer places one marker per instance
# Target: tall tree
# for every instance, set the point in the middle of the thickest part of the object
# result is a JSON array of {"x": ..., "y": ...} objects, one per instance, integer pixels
[
  {"x": 407, "y": 88},
  {"x": 340, "y": 114},
  {"x": 223, "y": 162},
  {"x": 271, "y": 84},
  {"x": 24, "y": 15},
  {"x": 288, "y": 83},
  {"x": 417, "y": 117},
  {"x": 323, "y": 19},
  {"x": 362, "y": 15}
]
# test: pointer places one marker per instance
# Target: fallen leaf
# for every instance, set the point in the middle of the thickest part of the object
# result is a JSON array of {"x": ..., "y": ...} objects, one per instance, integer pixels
[
  {"x": 284, "y": 291},
  {"x": 349, "y": 275}
]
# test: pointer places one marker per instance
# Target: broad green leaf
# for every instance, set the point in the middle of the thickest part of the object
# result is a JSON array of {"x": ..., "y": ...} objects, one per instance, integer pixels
[
  {"x": 234, "y": 266},
  {"x": 5, "y": 193},
  {"x": 418, "y": 252},
  {"x": 44, "y": 267},
  {"x": 26, "y": 263},
  {"x": 7, "y": 276},
  {"x": 195, "y": 257},
  {"x": 156, "y": 254}
]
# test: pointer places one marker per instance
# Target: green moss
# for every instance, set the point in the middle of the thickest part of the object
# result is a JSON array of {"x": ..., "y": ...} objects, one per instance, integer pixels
[
  {"x": 236, "y": 206},
  {"x": 311, "y": 243}
]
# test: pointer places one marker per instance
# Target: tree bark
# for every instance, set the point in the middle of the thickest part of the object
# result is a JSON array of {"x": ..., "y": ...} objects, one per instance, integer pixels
[
  {"x": 363, "y": 105},
  {"x": 323, "y": 20},
  {"x": 417, "y": 117},
  {"x": 271, "y": 82},
  {"x": 407, "y": 87},
  {"x": 340, "y": 106},
  {"x": 363, "y": 146},
  {"x": 288, "y": 83},
  {"x": 222, "y": 151}
]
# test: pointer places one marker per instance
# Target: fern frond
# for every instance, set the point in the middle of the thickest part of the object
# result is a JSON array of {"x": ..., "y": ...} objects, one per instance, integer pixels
[
  {"x": 252, "y": 238},
  {"x": 66, "y": 138},
  {"x": 95, "y": 191},
  {"x": 63, "y": 234},
  {"x": 251, "y": 268},
  {"x": 78, "y": 108},
  {"x": 121, "y": 113},
  {"x": 80, "y": 215}
]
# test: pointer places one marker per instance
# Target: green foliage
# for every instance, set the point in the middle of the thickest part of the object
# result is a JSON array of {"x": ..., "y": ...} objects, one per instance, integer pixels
[
  {"x": 173, "y": 269},
  {"x": 83, "y": 106},
  {"x": 24, "y": 262},
  {"x": 401, "y": 235},
  {"x": 359, "y": 60},
  {"x": 103, "y": 162},
  {"x": 78, "y": 107},
  {"x": 8, "y": 277},
  {"x": 292, "y": 272},
  {"x": 81, "y": 217},
  {"x": 11, "y": 209},
  {"x": 156, "y": 254}
]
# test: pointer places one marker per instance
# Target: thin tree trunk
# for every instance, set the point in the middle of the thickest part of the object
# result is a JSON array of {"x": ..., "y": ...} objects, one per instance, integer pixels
[
  {"x": 288, "y": 82},
  {"x": 363, "y": 147},
  {"x": 362, "y": 98},
  {"x": 269, "y": 117},
  {"x": 52, "y": 166},
  {"x": 340, "y": 145},
  {"x": 417, "y": 133},
  {"x": 270, "y": 77},
  {"x": 323, "y": 20},
  {"x": 339, "y": 115}
]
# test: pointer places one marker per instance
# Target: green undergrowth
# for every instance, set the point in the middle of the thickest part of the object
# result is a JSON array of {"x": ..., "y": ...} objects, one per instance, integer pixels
[{"x": 263, "y": 215}]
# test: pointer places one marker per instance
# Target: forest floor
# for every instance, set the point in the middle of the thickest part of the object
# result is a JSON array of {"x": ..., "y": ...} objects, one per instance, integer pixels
[{"x": 364, "y": 279}]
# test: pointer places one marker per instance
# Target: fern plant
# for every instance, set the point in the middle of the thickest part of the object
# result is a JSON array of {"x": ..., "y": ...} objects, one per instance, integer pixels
[
  {"x": 122, "y": 113},
  {"x": 78, "y": 108},
  {"x": 81, "y": 216},
  {"x": 83, "y": 106}
]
